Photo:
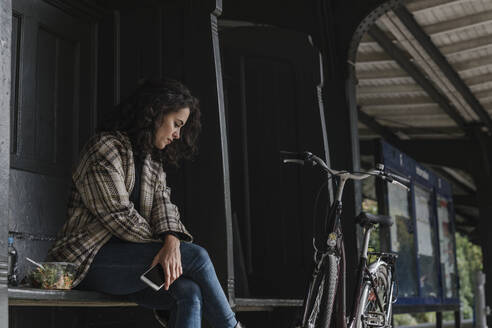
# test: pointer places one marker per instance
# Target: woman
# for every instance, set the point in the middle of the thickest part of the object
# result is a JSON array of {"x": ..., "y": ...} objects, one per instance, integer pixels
[{"x": 120, "y": 217}]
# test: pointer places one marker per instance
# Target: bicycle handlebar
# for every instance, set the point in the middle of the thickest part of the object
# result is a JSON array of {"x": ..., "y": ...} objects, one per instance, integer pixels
[{"x": 302, "y": 158}]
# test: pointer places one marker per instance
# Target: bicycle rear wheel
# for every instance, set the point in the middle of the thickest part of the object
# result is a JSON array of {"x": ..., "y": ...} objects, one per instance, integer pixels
[{"x": 370, "y": 313}]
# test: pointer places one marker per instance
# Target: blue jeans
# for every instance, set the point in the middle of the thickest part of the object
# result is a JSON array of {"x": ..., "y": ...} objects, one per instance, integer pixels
[{"x": 117, "y": 267}]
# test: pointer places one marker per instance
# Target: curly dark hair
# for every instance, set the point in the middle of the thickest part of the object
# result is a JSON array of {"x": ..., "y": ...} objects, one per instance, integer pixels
[{"x": 140, "y": 115}]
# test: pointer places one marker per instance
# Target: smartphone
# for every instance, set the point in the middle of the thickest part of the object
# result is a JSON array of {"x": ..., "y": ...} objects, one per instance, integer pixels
[{"x": 154, "y": 277}]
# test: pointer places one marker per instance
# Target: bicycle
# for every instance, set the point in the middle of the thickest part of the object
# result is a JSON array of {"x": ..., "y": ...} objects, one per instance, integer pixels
[{"x": 373, "y": 299}]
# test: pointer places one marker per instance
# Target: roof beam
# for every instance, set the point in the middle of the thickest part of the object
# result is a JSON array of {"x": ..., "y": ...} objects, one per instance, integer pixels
[
  {"x": 424, "y": 40},
  {"x": 453, "y": 25},
  {"x": 396, "y": 112},
  {"x": 372, "y": 57},
  {"x": 415, "y": 6},
  {"x": 484, "y": 94},
  {"x": 380, "y": 129},
  {"x": 441, "y": 152},
  {"x": 387, "y": 109},
  {"x": 417, "y": 75},
  {"x": 385, "y": 89},
  {"x": 392, "y": 73},
  {"x": 412, "y": 87},
  {"x": 432, "y": 151},
  {"x": 398, "y": 73},
  {"x": 448, "y": 50},
  {"x": 411, "y": 120},
  {"x": 461, "y": 23},
  {"x": 466, "y": 184},
  {"x": 479, "y": 79},
  {"x": 419, "y": 131},
  {"x": 395, "y": 101},
  {"x": 465, "y": 200},
  {"x": 399, "y": 111},
  {"x": 467, "y": 45},
  {"x": 467, "y": 65}
]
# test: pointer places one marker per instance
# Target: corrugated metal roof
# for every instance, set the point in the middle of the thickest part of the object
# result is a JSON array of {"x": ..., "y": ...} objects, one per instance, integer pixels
[{"x": 462, "y": 31}]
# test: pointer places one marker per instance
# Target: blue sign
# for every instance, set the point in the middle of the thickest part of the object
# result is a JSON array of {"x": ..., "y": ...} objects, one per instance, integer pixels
[{"x": 422, "y": 233}]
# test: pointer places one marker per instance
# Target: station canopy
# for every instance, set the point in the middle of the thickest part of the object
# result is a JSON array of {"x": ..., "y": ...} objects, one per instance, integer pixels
[{"x": 424, "y": 71}]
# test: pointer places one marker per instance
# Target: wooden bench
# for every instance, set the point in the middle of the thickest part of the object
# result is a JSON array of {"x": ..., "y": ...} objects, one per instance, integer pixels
[{"x": 24, "y": 296}]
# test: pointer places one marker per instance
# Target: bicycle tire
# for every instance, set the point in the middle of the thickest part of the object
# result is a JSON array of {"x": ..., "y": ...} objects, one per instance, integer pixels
[
  {"x": 322, "y": 310},
  {"x": 369, "y": 314},
  {"x": 331, "y": 284}
]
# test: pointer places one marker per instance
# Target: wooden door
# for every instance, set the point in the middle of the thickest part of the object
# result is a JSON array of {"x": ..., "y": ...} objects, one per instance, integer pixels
[{"x": 271, "y": 79}]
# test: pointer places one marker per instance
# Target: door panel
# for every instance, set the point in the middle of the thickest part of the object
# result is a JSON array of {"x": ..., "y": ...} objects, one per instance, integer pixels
[
  {"x": 271, "y": 78},
  {"x": 52, "y": 114},
  {"x": 49, "y": 64}
]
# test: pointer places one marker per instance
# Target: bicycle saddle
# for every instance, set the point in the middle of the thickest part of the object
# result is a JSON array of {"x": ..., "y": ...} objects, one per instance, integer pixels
[{"x": 367, "y": 218}]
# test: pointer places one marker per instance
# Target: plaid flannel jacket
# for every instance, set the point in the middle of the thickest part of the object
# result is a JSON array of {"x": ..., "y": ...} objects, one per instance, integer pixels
[{"x": 99, "y": 205}]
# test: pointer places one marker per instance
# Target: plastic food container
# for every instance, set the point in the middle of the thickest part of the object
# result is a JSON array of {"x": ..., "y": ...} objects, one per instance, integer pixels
[{"x": 53, "y": 275}]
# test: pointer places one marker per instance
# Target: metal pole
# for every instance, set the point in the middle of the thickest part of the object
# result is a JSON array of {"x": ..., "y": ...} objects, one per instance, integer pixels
[
  {"x": 457, "y": 319},
  {"x": 438, "y": 319},
  {"x": 481, "y": 309}
]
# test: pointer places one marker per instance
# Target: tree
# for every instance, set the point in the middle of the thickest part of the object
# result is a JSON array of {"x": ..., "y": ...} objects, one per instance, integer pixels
[{"x": 469, "y": 258}]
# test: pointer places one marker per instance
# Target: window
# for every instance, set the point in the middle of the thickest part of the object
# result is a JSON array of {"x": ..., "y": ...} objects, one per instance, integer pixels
[
  {"x": 402, "y": 240},
  {"x": 427, "y": 252},
  {"x": 446, "y": 247}
]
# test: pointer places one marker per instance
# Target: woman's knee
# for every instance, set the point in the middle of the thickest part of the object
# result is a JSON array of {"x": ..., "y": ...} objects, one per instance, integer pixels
[
  {"x": 187, "y": 290},
  {"x": 198, "y": 254}
]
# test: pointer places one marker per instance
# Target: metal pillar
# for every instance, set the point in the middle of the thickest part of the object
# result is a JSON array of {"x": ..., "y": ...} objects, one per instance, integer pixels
[
  {"x": 482, "y": 175},
  {"x": 457, "y": 319},
  {"x": 5, "y": 89},
  {"x": 203, "y": 74}
]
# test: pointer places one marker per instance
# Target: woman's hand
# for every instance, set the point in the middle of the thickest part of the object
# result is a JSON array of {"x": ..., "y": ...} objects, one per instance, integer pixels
[{"x": 170, "y": 258}]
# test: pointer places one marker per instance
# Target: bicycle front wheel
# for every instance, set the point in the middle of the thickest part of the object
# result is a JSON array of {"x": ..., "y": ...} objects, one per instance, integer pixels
[
  {"x": 375, "y": 304},
  {"x": 323, "y": 297}
]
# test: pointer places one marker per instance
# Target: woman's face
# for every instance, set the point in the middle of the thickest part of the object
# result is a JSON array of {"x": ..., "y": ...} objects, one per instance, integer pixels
[{"x": 170, "y": 127}]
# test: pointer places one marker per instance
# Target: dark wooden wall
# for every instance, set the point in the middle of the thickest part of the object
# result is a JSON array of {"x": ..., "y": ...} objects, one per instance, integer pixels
[{"x": 71, "y": 63}]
